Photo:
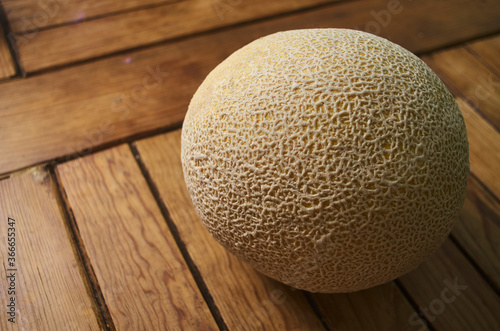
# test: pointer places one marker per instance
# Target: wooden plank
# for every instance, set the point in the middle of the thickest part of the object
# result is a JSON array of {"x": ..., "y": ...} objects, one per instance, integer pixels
[
  {"x": 487, "y": 50},
  {"x": 451, "y": 294},
  {"x": 446, "y": 22},
  {"x": 246, "y": 299},
  {"x": 470, "y": 79},
  {"x": 483, "y": 147},
  {"x": 143, "y": 277},
  {"x": 72, "y": 43},
  {"x": 76, "y": 109},
  {"x": 380, "y": 308},
  {"x": 479, "y": 226},
  {"x": 50, "y": 290},
  {"x": 7, "y": 68},
  {"x": 478, "y": 229},
  {"x": 27, "y": 15}
]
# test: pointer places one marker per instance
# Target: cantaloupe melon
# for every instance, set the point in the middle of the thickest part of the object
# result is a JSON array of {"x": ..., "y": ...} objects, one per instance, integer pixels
[{"x": 329, "y": 159}]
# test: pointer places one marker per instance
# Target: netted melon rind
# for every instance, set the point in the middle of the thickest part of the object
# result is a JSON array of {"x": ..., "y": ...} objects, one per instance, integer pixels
[{"x": 329, "y": 159}]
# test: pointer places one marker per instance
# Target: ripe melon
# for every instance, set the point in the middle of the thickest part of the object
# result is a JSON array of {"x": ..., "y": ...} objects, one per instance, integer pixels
[{"x": 329, "y": 159}]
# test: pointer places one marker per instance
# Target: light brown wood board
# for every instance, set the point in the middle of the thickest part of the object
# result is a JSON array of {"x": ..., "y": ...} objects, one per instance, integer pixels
[{"x": 145, "y": 281}]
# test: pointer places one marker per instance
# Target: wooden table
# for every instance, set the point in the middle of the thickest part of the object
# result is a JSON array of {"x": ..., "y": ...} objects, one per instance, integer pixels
[{"x": 92, "y": 98}]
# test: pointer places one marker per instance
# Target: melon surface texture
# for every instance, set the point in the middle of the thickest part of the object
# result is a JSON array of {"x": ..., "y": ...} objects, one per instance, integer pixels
[{"x": 329, "y": 159}]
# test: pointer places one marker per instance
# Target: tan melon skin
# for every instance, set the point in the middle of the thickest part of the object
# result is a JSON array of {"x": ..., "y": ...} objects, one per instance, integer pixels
[{"x": 329, "y": 159}]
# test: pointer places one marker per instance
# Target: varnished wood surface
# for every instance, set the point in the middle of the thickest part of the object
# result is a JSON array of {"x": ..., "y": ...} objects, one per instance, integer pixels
[
  {"x": 51, "y": 47},
  {"x": 380, "y": 308},
  {"x": 42, "y": 49},
  {"x": 451, "y": 293},
  {"x": 487, "y": 49},
  {"x": 470, "y": 77},
  {"x": 28, "y": 15},
  {"x": 261, "y": 302},
  {"x": 138, "y": 92},
  {"x": 478, "y": 229},
  {"x": 106, "y": 233},
  {"x": 144, "y": 280},
  {"x": 6, "y": 64},
  {"x": 49, "y": 288},
  {"x": 484, "y": 142}
]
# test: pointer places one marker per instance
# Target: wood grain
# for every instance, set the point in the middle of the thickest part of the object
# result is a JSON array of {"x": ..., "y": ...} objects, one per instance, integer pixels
[
  {"x": 25, "y": 15},
  {"x": 144, "y": 279},
  {"x": 478, "y": 229},
  {"x": 469, "y": 78},
  {"x": 61, "y": 113},
  {"x": 488, "y": 51},
  {"x": 451, "y": 293},
  {"x": 142, "y": 27},
  {"x": 72, "y": 111},
  {"x": 7, "y": 68},
  {"x": 380, "y": 308},
  {"x": 446, "y": 22},
  {"x": 483, "y": 147},
  {"x": 246, "y": 299},
  {"x": 50, "y": 290}
]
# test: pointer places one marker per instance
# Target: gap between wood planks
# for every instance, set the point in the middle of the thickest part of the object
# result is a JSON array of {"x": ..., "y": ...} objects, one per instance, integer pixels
[
  {"x": 487, "y": 114},
  {"x": 191, "y": 69},
  {"x": 193, "y": 268},
  {"x": 160, "y": 130},
  {"x": 105, "y": 316},
  {"x": 474, "y": 264},
  {"x": 314, "y": 306},
  {"x": 414, "y": 304},
  {"x": 53, "y": 290},
  {"x": 171, "y": 127},
  {"x": 96, "y": 149},
  {"x": 175, "y": 39},
  {"x": 205, "y": 292},
  {"x": 14, "y": 52},
  {"x": 56, "y": 48},
  {"x": 49, "y": 26},
  {"x": 161, "y": 4},
  {"x": 487, "y": 277},
  {"x": 156, "y": 197}
]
